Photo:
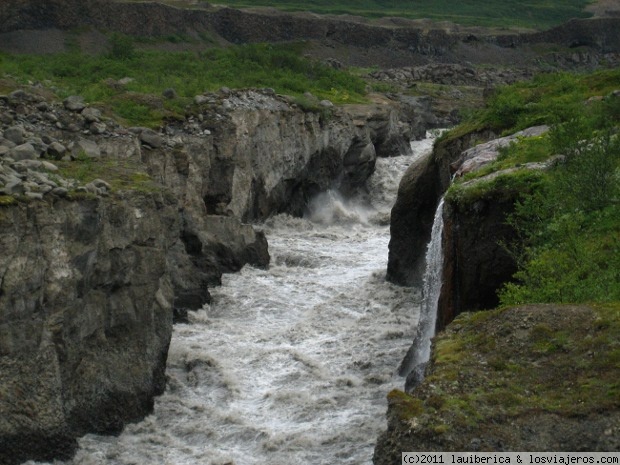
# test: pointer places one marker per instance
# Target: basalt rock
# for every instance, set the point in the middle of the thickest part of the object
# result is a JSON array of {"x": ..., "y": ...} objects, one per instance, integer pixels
[
  {"x": 412, "y": 216},
  {"x": 86, "y": 319},
  {"x": 92, "y": 271}
]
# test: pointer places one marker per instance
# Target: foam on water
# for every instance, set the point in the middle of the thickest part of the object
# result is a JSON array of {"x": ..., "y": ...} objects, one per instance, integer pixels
[{"x": 290, "y": 364}]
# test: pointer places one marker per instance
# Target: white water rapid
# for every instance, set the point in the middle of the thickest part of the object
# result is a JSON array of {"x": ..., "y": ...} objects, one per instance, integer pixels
[{"x": 289, "y": 365}]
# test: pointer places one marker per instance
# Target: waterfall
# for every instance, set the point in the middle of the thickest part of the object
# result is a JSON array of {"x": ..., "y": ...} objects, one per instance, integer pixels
[{"x": 419, "y": 354}]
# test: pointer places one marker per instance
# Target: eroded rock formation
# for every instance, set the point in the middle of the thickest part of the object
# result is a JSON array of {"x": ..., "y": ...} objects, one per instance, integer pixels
[
  {"x": 85, "y": 318},
  {"x": 106, "y": 230}
]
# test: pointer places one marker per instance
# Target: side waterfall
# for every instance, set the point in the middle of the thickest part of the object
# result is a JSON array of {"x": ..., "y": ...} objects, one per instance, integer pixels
[{"x": 418, "y": 356}]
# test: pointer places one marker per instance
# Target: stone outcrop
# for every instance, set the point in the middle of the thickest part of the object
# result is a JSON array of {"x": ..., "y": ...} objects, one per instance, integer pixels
[
  {"x": 419, "y": 192},
  {"x": 105, "y": 231},
  {"x": 507, "y": 380},
  {"x": 85, "y": 318},
  {"x": 452, "y": 74},
  {"x": 475, "y": 262}
]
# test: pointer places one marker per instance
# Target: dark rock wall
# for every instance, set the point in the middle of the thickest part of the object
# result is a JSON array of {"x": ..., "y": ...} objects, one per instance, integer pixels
[
  {"x": 88, "y": 286},
  {"x": 85, "y": 319},
  {"x": 476, "y": 264},
  {"x": 412, "y": 215}
]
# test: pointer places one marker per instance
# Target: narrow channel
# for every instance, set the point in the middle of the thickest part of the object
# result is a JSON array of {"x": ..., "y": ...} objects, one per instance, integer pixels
[{"x": 290, "y": 364}]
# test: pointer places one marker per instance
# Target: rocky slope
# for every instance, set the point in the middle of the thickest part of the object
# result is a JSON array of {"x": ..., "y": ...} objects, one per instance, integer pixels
[
  {"x": 352, "y": 41},
  {"x": 105, "y": 230},
  {"x": 522, "y": 378}
]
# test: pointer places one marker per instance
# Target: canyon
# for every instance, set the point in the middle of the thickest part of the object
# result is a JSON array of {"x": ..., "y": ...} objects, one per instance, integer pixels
[{"x": 93, "y": 271}]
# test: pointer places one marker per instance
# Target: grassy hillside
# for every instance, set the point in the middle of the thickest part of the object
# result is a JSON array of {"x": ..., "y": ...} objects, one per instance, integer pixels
[
  {"x": 569, "y": 221},
  {"x": 140, "y": 102},
  {"x": 519, "y": 13}
]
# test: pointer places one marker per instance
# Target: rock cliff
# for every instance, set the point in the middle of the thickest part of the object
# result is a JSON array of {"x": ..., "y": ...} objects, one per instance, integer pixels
[
  {"x": 85, "y": 318},
  {"x": 418, "y": 196},
  {"x": 476, "y": 263},
  {"x": 106, "y": 230},
  {"x": 521, "y": 378}
]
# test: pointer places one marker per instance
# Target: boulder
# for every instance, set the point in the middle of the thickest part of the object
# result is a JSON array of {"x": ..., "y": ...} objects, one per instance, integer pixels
[
  {"x": 23, "y": 152},
  {"x": 56, "y": 150},
  {"x": 86, "y": 147},
  {"x": 74, "y": 103},
  {"x": 91, "y": 115},
  {"x": 151, "y": 138},
  {"x": 15, "y": 134}
]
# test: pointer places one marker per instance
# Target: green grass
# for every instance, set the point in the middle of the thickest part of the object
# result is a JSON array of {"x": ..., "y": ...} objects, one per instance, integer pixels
[
  {"x": 280, "y": 67},
  {"x": 546, "y": 99},
  {"x": 486, "y": 373},
  {"x": 568, "y": 218},
  {"x": 528, "y": 14},
  {"x": 122, "y": 175}
]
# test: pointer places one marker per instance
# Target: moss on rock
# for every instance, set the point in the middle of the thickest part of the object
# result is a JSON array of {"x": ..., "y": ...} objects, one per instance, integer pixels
[{"x": 539, "y": 377}]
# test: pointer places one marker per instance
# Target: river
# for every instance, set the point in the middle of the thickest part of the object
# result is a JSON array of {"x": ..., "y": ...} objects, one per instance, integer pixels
[{"x": 289, "y": 365}]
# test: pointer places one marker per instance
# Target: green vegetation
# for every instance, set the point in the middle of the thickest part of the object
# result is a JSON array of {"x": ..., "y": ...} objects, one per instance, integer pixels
[
  {"x": 529, "y": 14},
  {"x": 6, "y": 200},
  {"x": 569, "y": 227},
  {"x": 567, "y": 218},
  {"x": 504, "y": 186},
  {"x": 121, "y": 174},
  {"x": 281, "y": 67},
  {"x": 563, "y": 360}
]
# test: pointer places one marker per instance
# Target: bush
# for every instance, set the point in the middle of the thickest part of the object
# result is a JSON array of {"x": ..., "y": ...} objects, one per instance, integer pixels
[{"x": 122, "y": 47}]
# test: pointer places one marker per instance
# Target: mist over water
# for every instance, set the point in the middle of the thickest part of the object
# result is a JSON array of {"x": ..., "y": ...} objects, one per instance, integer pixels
[{"x": 290, "y": 364}]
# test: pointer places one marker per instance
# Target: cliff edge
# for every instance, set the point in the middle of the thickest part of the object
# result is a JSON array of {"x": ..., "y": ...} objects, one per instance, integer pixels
[
  {"x": 107, "y": 230},
  {"x": 537, "y": 378}
]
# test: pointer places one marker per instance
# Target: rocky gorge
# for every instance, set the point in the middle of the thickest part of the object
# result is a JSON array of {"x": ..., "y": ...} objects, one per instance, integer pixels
[
  {"x": 151, "y": 222},
  {"x": 469, "y": 398},
  {"x": 108, "y": 232}
]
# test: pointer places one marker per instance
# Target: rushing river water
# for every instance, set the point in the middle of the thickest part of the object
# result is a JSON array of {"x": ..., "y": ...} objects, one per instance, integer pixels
[{"x": 289, "y": 365}]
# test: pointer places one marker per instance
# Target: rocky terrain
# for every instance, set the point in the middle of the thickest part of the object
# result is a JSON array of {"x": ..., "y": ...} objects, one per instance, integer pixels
[
  {"x": 352, "y": 41},
  {"x": 106, "y": 230},
  {"x": 520, "y": 378},
  {"x": 492, "y": 374}
]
